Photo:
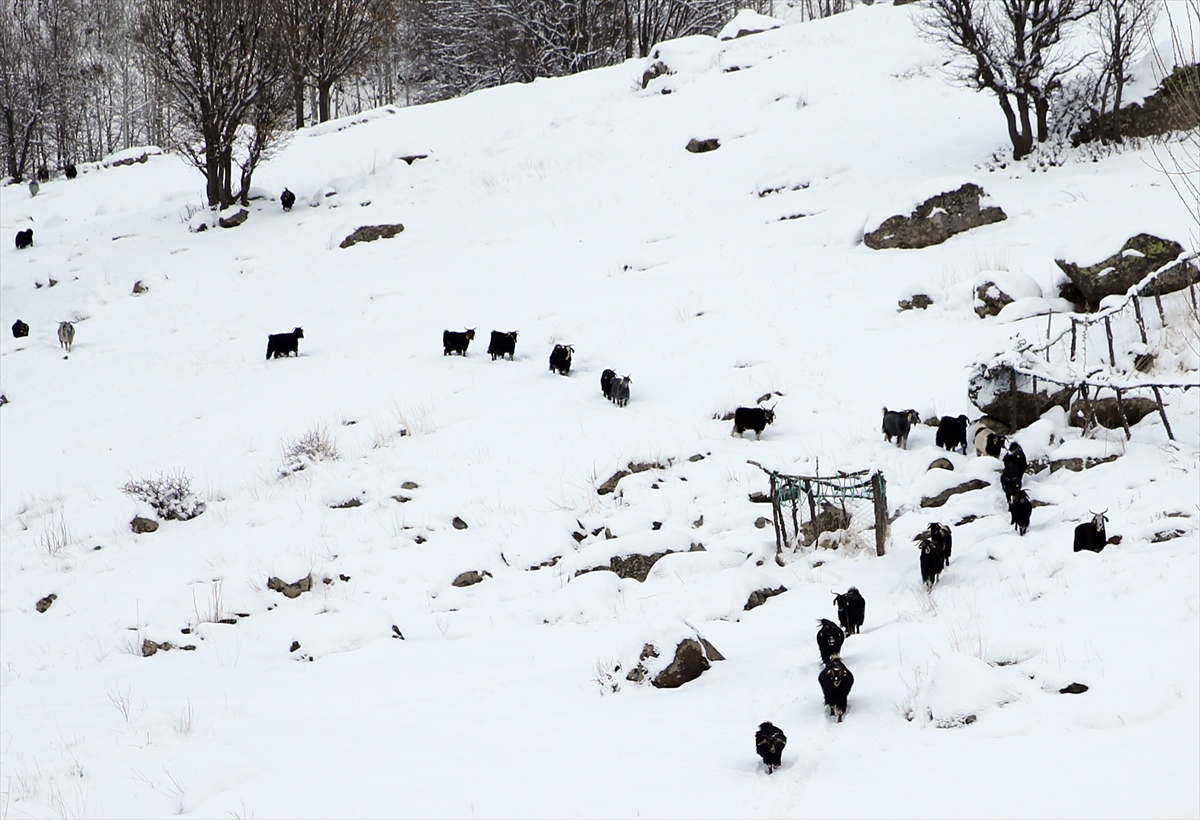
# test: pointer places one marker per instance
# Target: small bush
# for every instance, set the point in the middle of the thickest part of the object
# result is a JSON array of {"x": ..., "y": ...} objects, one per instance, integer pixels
[
  {"x": 169, "y": 494},
  {"x": 315, "y": 445}
]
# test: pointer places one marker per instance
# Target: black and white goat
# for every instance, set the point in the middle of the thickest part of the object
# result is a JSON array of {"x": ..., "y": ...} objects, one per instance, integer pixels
[
  {"x": 988, "y": 443},
  {"x": 752, "y": 418},
  {"x": 836, "y": 681},
  {"x": 454, "y": 341},
  {"x": 897, "y": 424},
  {"x": 1090, "y": 535},
  {"x": 287, "y": 199},
  {"x": 952, "y": 433},
  {"x": 560, "y": 359},
  {"x": 769, "y": 741},
  {"x": 829, "y": 640},
  {"x": 282, "y": 345},
  {"x": 851, "y": 609},
  {"x": 503, "y": 344}
]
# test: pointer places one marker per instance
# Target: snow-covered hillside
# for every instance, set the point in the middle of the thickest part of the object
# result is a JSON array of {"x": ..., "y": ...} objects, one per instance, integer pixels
[{"x": 570, "y": 211}]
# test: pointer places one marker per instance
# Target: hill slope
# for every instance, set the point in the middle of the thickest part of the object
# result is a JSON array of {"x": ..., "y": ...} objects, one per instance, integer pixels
[{"x": 569, "y": 210}]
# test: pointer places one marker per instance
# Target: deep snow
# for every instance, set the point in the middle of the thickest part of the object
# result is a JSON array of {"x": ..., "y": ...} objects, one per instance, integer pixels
[{"x": 569, "y": 210}]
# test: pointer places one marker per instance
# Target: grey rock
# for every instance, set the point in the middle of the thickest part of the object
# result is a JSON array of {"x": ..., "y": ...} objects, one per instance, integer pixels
[
  {"x": 657, "y": 69},
  {"x": 918, "y": 301},
  {"x": 944, "y": 496},
  {"x": 292, "y": 590},
  {"x": 941, "y": 464},
  {"x": 990, "y": 299},
  {"x": 141, "y": 525},
  {"x": 233, "y": 221},
  {"x": 760, "y": 596},
  {"x": 696, "y": 146},
  {"x": 1140, "y": 256},
  {"x": 991, "y": 389},
  {"x": 470, "y": 578},
  {"x": 44, "y": 604},
  {"x": 935, "y": 220},
  {"x": 1106, "y": 413},
  {"x": 370, "y": 233},
  {"x": 458, "y": 523}
]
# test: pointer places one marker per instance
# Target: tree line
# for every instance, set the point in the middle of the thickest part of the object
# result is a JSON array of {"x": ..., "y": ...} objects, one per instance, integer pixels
[{"x": 222, "y": 81}]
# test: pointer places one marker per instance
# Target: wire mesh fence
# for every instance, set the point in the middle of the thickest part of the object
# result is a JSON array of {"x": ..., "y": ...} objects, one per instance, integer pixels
[{"x": 829, "y": 511}]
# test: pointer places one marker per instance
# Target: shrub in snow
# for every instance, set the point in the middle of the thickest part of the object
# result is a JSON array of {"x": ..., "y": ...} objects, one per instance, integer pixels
[
  {"x": 168, "y": 494},
  {"x": 309, "y": 448}
]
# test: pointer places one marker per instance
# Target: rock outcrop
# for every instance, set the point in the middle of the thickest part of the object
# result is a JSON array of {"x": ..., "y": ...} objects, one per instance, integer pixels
[
  {"x": 935, "y": 220},
  {"x": 1140, "y": 256}
]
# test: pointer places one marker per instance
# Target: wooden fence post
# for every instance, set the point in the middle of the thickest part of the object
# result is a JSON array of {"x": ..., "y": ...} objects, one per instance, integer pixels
[
  {"x": 879, "y": 495},
  {"x": 1162, "y": 412}
]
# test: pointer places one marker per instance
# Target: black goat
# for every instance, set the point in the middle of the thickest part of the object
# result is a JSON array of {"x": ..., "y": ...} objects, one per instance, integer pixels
[
  {"x": 1090, "y": 535},
  {"x": 560, "y": 359},
  {"x": 988, "y": 443},
  {"x": 829, "y": 640},
  {"x": 281, "y": 345},
  {"x": 769, "y": 740},
  {"x": 851, "y": 609},
  {"x": 1014, "y": 471},
  {"x": 897, "y": 424},
  {"x": 606, "y": 379},
  {"x": 24, "y": 239},
  {"x": 836, "y": 680},
  {"x": 454, "y": 341},
  {"x": 952, "y": 433},
  {"x": 752, "y": 418},
  {"x": 288, "y": 199},
  {"x": 620, "y": 390},
  {"x": 43, "y": 174},
  {"x": 20, "y": 329},
  {"x": 503, "y": 344},
  {"x": 1019, "y": 509},
  {"x": 71, "y": 171},
  {"x": 936, "y": 545}
]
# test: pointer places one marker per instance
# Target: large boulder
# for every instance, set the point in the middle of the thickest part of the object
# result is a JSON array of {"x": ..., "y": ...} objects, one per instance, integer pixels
[
  {"x": 935, "y": 220},
  {"x": 1014, "y": 398},
  {"x": 1140, "y": 256},
  {"x": 692, "y": 657},
  {"x": 1106, "y": 412}
]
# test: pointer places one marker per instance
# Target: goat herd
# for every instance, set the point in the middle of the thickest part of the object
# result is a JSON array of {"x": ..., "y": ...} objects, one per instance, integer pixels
[{"x": 935, "y": 542}]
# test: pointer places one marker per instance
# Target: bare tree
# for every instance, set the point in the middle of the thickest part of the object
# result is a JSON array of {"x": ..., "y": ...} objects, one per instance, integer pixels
[
  {"x": 1123, "y": 29},
  {"x": 332, "y": 40},
  {"x": 1010, "y": 48},
  {"x": 223, "y": 61}
]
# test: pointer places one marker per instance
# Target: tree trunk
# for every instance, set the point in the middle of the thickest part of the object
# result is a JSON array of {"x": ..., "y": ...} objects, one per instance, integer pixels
[
  {"x": 1026, "y": 125},
  {"x": 298, "y": 97},
  {"x": 1041, "y": 105},
  {"x": 1014, "y": 134},
  {"x": 323, "y": 87}
]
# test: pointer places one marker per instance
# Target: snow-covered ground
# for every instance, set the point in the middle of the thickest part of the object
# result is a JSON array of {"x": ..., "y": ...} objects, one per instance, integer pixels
[{"x": 568, "y": 210}]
